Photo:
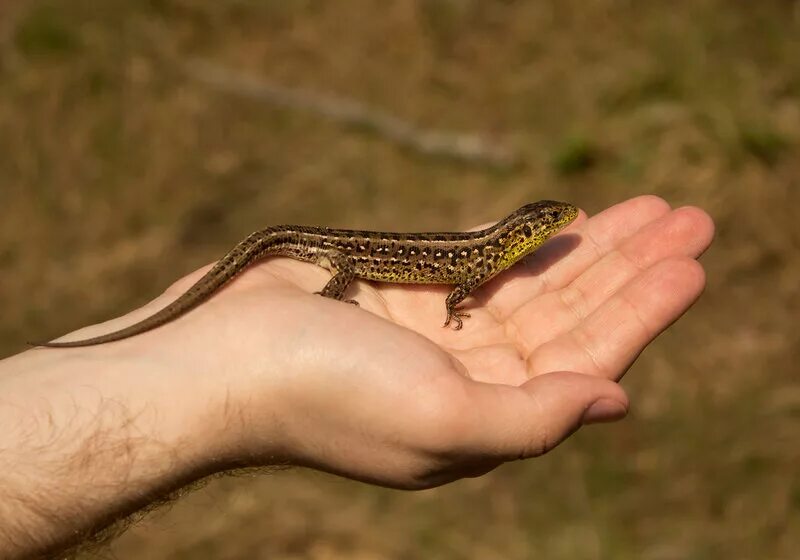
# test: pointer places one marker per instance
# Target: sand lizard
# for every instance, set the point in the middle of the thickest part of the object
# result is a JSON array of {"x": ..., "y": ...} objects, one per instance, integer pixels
[{"x": 463, "y": 259}]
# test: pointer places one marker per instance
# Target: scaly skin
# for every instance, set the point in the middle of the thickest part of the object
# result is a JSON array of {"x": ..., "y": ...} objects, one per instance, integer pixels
[{"x": 463, "y": 259}]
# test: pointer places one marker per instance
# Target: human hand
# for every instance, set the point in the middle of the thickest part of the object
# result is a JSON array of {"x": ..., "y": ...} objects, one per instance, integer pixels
[{"x": 383, "y": 393}]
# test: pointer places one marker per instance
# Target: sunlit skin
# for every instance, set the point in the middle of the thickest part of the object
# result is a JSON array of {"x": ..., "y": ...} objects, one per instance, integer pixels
[{"x": 267, "y": 372}]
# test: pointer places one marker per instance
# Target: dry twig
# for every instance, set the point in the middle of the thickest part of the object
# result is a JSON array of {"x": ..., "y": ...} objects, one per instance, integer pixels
[{"x": 470, "y": 147}]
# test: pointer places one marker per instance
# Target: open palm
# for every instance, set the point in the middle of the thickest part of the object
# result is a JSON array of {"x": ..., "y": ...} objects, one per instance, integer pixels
[{"x": 589, "y": 301}]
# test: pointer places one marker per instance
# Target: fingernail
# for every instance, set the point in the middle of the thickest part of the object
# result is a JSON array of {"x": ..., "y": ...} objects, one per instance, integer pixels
[{"x": 604, "y": 410}]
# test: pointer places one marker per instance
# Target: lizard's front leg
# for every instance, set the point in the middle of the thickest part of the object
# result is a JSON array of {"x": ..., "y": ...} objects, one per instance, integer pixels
[
  {"x": 453, "y": 299},
  {"x": 343, "y": 273}
]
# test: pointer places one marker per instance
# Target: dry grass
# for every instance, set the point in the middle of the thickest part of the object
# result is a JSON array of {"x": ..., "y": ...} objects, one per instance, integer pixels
[{"x": 119, "y": 175}]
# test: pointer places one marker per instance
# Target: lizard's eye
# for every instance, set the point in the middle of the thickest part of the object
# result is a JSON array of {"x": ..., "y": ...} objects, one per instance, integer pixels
[{"x": 555, "y": 214}]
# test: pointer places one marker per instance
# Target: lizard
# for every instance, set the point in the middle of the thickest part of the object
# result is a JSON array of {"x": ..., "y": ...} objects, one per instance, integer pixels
[{"x": 465, "y": 260}]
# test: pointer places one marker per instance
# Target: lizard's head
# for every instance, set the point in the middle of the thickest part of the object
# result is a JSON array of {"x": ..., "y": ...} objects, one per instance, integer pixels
[{"x": 528, "y": 228}]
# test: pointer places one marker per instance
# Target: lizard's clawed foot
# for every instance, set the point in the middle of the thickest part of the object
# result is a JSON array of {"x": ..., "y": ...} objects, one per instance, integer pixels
[
  {"x": 351, "y": 301},
  {"x": 456, "y": 316}
]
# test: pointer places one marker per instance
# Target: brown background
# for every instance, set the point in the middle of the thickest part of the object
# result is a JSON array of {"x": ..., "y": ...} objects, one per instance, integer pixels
[{"x": 120, "y": 173}]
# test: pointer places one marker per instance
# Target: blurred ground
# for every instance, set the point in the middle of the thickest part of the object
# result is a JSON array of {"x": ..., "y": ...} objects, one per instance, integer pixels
[{"x": 118, "y": 175}]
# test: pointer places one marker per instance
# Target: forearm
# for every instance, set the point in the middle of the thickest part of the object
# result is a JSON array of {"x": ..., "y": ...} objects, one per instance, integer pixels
[{"x": 87, "y": 440}]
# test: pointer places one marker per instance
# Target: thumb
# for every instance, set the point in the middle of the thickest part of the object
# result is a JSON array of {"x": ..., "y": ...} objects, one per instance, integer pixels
[{"x": 530, "y": 420}]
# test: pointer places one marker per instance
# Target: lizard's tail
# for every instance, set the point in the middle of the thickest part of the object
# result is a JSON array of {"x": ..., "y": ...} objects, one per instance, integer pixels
[{"x": 256, "y": 246}]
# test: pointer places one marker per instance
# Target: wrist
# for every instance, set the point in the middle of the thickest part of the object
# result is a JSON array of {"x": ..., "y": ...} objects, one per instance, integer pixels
[{"x": 89, "y": 437}]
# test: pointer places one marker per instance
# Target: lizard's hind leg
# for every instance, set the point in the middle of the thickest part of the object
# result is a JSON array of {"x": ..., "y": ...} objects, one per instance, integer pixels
[{"x": 343, "y": 273}]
